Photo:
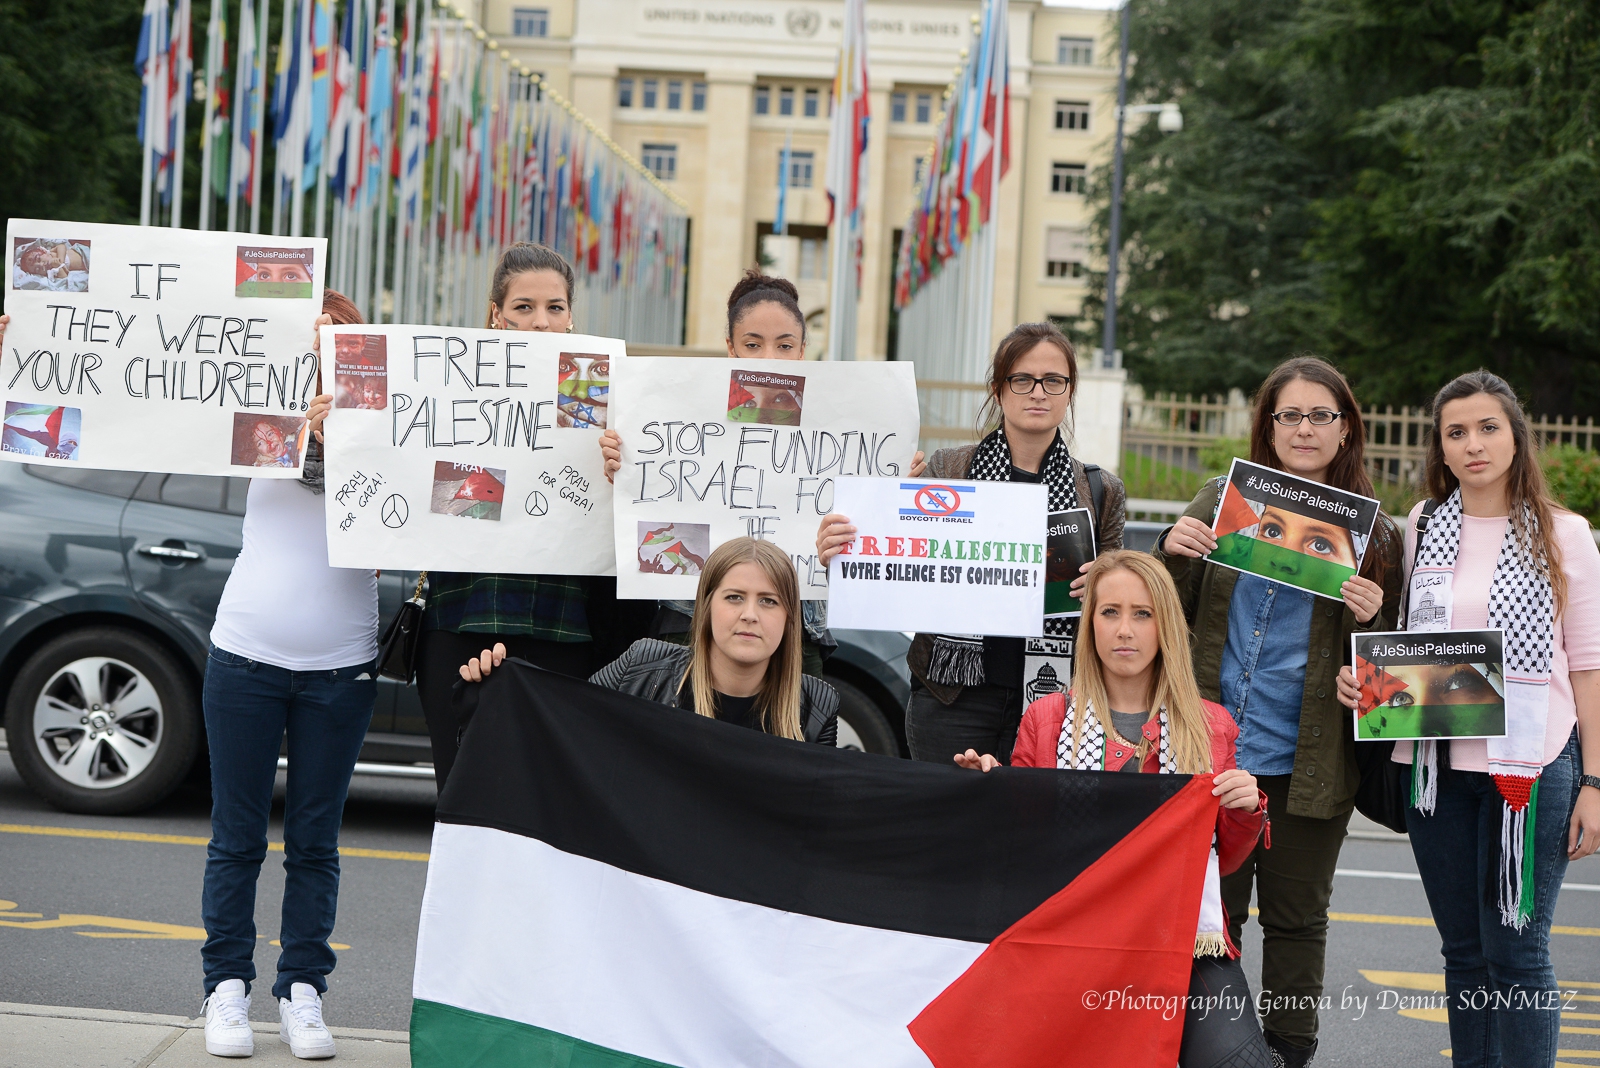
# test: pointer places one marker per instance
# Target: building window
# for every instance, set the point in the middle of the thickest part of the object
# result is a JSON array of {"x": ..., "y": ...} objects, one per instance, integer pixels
[
  {"x": 1066, "y": 251},
  {"x": 813, "y": 103},
  {"x": 763, "y": 100},
  {"x": 624, "y": 92},
  {"x": 786, "y": 100},
  {"x": 924, "y": 107},
  {"x": 674, "y": 96},
  {"x": 530, "y": 22},
  {"x": 697, "y": 96},
  {"x": 648, "y": 91},
  {"x": 897, "y": 107},
  {"x": 918, "y": 171},
  {"x": 1072, "y": 114},
  {"x": 660, "y": 160},
  {"x": 801, "y": 166},
  {"x": 1075, "y": 51},
  {"x": 813, "y": 258},
  {"x": 1069, "y": 178}
]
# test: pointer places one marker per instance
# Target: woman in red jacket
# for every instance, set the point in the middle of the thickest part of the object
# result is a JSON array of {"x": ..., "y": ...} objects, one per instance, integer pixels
[{"x": 1134, "y": 707}]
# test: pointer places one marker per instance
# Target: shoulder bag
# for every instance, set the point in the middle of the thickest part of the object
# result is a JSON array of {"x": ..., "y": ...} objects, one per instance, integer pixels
[{"x": 397, "y": 652}]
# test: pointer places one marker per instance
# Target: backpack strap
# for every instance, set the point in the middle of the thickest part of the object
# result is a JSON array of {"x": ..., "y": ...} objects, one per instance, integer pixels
[
  {"x": 1097, "y": 489},
  {"x": 1423, "y": 519}
]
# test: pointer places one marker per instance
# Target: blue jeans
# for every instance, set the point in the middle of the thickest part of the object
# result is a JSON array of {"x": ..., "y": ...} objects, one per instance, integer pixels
[
  {"x": 1503, "y": 1005},
  {"x": 248, "y": 708}
]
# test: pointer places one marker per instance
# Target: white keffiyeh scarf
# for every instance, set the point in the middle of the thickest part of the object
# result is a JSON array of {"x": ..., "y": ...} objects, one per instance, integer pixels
[
  {"x": 1522, "y": 605},
  {"x": 1090, "y": 755}
]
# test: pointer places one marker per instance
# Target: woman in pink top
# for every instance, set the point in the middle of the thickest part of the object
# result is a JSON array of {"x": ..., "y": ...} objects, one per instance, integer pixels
[{"x": 1494, "y": 822}]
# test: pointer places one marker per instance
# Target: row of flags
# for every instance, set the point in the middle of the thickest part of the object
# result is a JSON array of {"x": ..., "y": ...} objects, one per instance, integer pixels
[
  {"x": 847, "y": 180},
  {"x": 961, "y": 177},
  {"x": 419, "y": 147}
]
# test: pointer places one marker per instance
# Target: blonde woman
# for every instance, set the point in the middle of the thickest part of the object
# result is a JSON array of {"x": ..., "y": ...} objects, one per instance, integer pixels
[
  {"x": 742, "y": 663},
  {"x": 1134, "y": 707}
]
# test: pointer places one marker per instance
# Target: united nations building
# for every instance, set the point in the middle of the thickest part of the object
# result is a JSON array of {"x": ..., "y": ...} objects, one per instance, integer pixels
[{"x": 707, "y": 93}]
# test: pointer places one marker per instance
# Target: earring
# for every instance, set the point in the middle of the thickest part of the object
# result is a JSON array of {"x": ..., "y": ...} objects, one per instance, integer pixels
[{"x": 1343, "y": 440}]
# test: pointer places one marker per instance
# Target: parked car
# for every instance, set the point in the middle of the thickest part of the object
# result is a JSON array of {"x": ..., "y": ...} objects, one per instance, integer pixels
[{"x": 109, "y": 581}]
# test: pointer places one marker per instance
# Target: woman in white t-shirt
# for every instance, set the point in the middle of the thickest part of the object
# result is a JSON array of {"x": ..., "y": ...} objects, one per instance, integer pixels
[{"x": 293, "y": 654}]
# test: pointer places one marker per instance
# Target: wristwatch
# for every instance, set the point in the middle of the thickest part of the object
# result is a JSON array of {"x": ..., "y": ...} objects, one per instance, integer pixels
[{"x": 1591, "y": 780}]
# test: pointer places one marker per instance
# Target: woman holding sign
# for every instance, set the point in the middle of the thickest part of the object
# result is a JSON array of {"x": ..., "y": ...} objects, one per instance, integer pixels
[
  {"x": 1269, "y": 652},
  {"x": 544, "y": 619},
  {"x": 742, "y": 661},
  {"x": 764, "y": 323},
  {"x": 1494, "y": 821},
  {"x": 967, "y": 690},
  {"x": 292, "y": 659},
  {"x": 1132, "y": 680}
]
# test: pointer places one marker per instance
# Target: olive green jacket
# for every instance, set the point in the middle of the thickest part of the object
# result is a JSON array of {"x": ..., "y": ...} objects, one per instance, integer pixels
[{"x": 1325, "y": 774}]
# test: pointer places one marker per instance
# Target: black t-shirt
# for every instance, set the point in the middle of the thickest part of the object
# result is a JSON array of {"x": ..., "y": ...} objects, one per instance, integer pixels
[
  {"x": 740, "y": 711},
  {"x": 1004, "y": 658},
  {"x": 1019, "y": 475}
]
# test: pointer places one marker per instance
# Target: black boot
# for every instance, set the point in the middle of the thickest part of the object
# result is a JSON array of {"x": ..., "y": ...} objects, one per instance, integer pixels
[{"x": 1285, "y": 1055}]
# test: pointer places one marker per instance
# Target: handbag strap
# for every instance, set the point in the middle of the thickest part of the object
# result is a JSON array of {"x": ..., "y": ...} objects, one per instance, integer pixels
[{"x": 416, "y": 594}]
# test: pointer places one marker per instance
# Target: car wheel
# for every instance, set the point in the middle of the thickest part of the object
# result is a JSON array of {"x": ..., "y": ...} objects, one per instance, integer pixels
[
  {"x": 862, "y": 725},
  {"x": 103, "y": 721}
]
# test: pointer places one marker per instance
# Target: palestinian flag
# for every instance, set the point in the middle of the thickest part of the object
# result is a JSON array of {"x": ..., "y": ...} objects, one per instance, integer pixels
[{"x": 615, "y": 883}]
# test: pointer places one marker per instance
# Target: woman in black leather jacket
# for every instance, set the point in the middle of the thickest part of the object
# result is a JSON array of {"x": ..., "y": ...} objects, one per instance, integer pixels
[{"x": 742, "y": 663}]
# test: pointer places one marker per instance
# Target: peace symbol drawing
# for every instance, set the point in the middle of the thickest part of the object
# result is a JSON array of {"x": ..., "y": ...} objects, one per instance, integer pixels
[
  {"x": 536, "y": 504},
  {"x": 395, "y": 511}
]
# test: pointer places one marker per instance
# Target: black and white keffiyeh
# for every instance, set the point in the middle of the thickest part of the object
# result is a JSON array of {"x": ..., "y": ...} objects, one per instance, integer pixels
[
  {"x": 957, "y": 659},
  {"x": 1522, "y": 606},
  {"x": 1089, "y": 754}
]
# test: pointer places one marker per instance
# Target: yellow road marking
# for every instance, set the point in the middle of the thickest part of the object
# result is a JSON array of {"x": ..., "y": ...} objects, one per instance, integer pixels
[
  {"x": 1429, "y": 981},
  {"x": 1571, "y": 1015},
  {"x": 1424, "y": 921},
  {"x": 119, "y": 927},
  {"x": 188, "y": 839},
  {"x": 1595, "y": 1053}
]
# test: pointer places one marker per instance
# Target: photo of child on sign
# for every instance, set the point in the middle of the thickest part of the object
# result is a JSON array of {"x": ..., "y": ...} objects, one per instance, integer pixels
[
  {"x": 273, "y": 272},
  {"x": 1447, "y": 684},
  {"x": 583, "y": 389},
  {"x": 60, "y": 265},
  {"x": 1295, "y": 531},
  {"x": 765, "y": 397},
  {"x": 361, "y": 371},
  {"x": 267, "y": 440}
]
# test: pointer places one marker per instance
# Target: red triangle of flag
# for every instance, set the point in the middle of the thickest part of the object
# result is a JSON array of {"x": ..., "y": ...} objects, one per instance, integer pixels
[
  {"x": 1068, "y": 984},
  {"x": 1235, "y": 513},
  {"x": 1377, "y": 685}
]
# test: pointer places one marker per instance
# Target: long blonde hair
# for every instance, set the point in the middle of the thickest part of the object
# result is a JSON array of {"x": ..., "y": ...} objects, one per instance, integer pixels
[
  {"x": 1173, "y": 688},
  {"x": 778, "y": 700}
]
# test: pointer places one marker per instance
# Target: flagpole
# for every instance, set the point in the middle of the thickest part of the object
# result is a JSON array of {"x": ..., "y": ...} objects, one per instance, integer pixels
[
  {"x": 148, "y": 80},
  {"x": 184, "y": 81},
  {"x": 258, "y": 144},
  {"x": 211, "y": 110}
]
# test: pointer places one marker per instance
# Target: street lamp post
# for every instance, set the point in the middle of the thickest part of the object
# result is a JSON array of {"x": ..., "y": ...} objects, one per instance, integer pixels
[{"x": 1170, "y": 120}]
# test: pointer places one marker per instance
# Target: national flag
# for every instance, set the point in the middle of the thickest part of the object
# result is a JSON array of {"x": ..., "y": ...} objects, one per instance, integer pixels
[
  {"x": 321, "y": 31},
  {"x": 151, "y": 62},
  {"x": 1235, "y": 513},
  {"x": 219, "y": 145},
  {"x": 342, "y": 105},
  {"x": 247, "y": 92},
  {"x": 615, "y": 883},
  {"x": 1377, "y": 685},
  {"x": 180, "y": 72},
  {"x": 780, "y": 222}
]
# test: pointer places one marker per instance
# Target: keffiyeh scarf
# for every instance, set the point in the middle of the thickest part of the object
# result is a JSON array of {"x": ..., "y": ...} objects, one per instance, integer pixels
[
  {"x": 957, "y": 659},
  {"x": 1089, "y": 754},
  {"x": 1522, "y": 604}
]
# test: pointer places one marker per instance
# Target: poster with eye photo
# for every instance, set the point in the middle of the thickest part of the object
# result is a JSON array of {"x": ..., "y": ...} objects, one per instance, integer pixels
[
  {"x": 1069, "y": 544},
  {"x": 1432, "y": 684},
  {"x": 1290, "y": 529}
]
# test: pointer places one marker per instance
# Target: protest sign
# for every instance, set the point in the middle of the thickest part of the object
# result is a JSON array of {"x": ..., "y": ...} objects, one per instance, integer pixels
[
  {"x": 455, "y": 449},
  {"x": 960, "y": 557},
  {"x": 1438, "y": 684},
  {"x": 714, "y": 449},
  {"x": 153, "y": 349},
  {"x": 1290, "y": 529},
  {"x": 1069, "y": 544}
]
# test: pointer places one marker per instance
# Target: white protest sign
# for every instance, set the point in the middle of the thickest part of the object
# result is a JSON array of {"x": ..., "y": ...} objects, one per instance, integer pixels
[
  {"x": 956, "y": 557},
  {"x": 454, "y": 449},
  {"x": 152, "y": 349},
  {"x": 715, "y": 449}
]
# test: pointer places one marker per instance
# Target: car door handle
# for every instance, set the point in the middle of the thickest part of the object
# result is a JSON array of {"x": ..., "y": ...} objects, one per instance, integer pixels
[{"x": 169, "y": 552}]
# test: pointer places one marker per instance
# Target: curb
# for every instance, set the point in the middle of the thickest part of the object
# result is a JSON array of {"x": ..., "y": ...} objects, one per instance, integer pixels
[{"x": 153, "y": 1019}]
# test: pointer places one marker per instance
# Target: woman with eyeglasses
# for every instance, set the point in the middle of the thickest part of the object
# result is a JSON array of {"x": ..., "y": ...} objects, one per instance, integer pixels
[
  {"x": 1270, "y": 654},
  {"x": 968, "y": 691}
]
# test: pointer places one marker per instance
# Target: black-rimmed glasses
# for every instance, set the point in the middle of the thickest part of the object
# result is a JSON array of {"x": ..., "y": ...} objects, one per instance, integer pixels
[
  {"x": 1055, "y": 385},
  {"x": 1320, "y": 417}
]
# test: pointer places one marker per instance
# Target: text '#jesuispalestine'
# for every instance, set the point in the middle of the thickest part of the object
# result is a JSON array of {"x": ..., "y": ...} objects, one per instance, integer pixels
[
  {"x": 1301, "y": 495},
  {"x": 1430, "y": 648}
]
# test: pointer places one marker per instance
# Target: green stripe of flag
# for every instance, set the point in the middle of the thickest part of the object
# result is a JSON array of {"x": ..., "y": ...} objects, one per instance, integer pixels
[
  {"x": 443, "y": 1036},
  {"x": 1285, "y": 565}
]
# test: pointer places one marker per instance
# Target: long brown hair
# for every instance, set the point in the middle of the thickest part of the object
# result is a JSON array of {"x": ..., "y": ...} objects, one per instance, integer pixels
[
  {"x": 1173, "y": 687},
  {"x": 1348, "y": 471},
  {"x": 1013, "y": 347},
  {"x": 778, "y": 701},
  {"x": 1525, "y": 482}
]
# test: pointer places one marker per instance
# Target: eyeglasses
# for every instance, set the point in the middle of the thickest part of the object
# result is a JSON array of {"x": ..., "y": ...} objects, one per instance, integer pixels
[
  {"x": 1320, "y": 417},
  {"x": 1055, "y": 385}
]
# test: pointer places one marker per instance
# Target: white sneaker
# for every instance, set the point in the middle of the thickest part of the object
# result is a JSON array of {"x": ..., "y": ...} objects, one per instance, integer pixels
[
  {"x": 301, "y": 1023},
  {"x": 227, "y": 1013}
]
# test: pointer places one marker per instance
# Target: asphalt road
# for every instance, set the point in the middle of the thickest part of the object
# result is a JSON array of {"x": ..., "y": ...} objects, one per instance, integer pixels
[{"x": 129, "y": 934}]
